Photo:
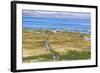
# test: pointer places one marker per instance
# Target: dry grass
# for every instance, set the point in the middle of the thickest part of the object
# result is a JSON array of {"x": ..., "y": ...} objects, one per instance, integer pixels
[{"x": 33, "y": 43}]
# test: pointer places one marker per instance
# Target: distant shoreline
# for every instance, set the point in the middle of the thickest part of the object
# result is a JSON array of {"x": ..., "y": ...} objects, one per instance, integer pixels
[{"x": 85, "y": 31}]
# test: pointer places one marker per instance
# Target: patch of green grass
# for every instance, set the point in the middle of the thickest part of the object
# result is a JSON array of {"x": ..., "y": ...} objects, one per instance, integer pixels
[
  {"x": 88, "y": 35},
  {"x": 70, "y": 55},
  {"x": 76, "y": 55}
]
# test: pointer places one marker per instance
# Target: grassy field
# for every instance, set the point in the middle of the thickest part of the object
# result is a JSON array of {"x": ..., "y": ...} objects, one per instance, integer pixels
[{"x": 68, "y": 45}]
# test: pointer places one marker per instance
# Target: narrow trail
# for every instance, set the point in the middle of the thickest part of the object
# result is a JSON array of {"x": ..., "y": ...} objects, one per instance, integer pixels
[{"x": 54, "y": 55}]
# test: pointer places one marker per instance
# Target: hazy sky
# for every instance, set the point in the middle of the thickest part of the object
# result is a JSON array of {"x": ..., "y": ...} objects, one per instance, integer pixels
[{"x": 53, "y": 19}]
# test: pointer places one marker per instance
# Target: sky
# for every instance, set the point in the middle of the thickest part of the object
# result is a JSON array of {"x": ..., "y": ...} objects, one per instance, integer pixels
[{"x": 55, "y": 19}]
